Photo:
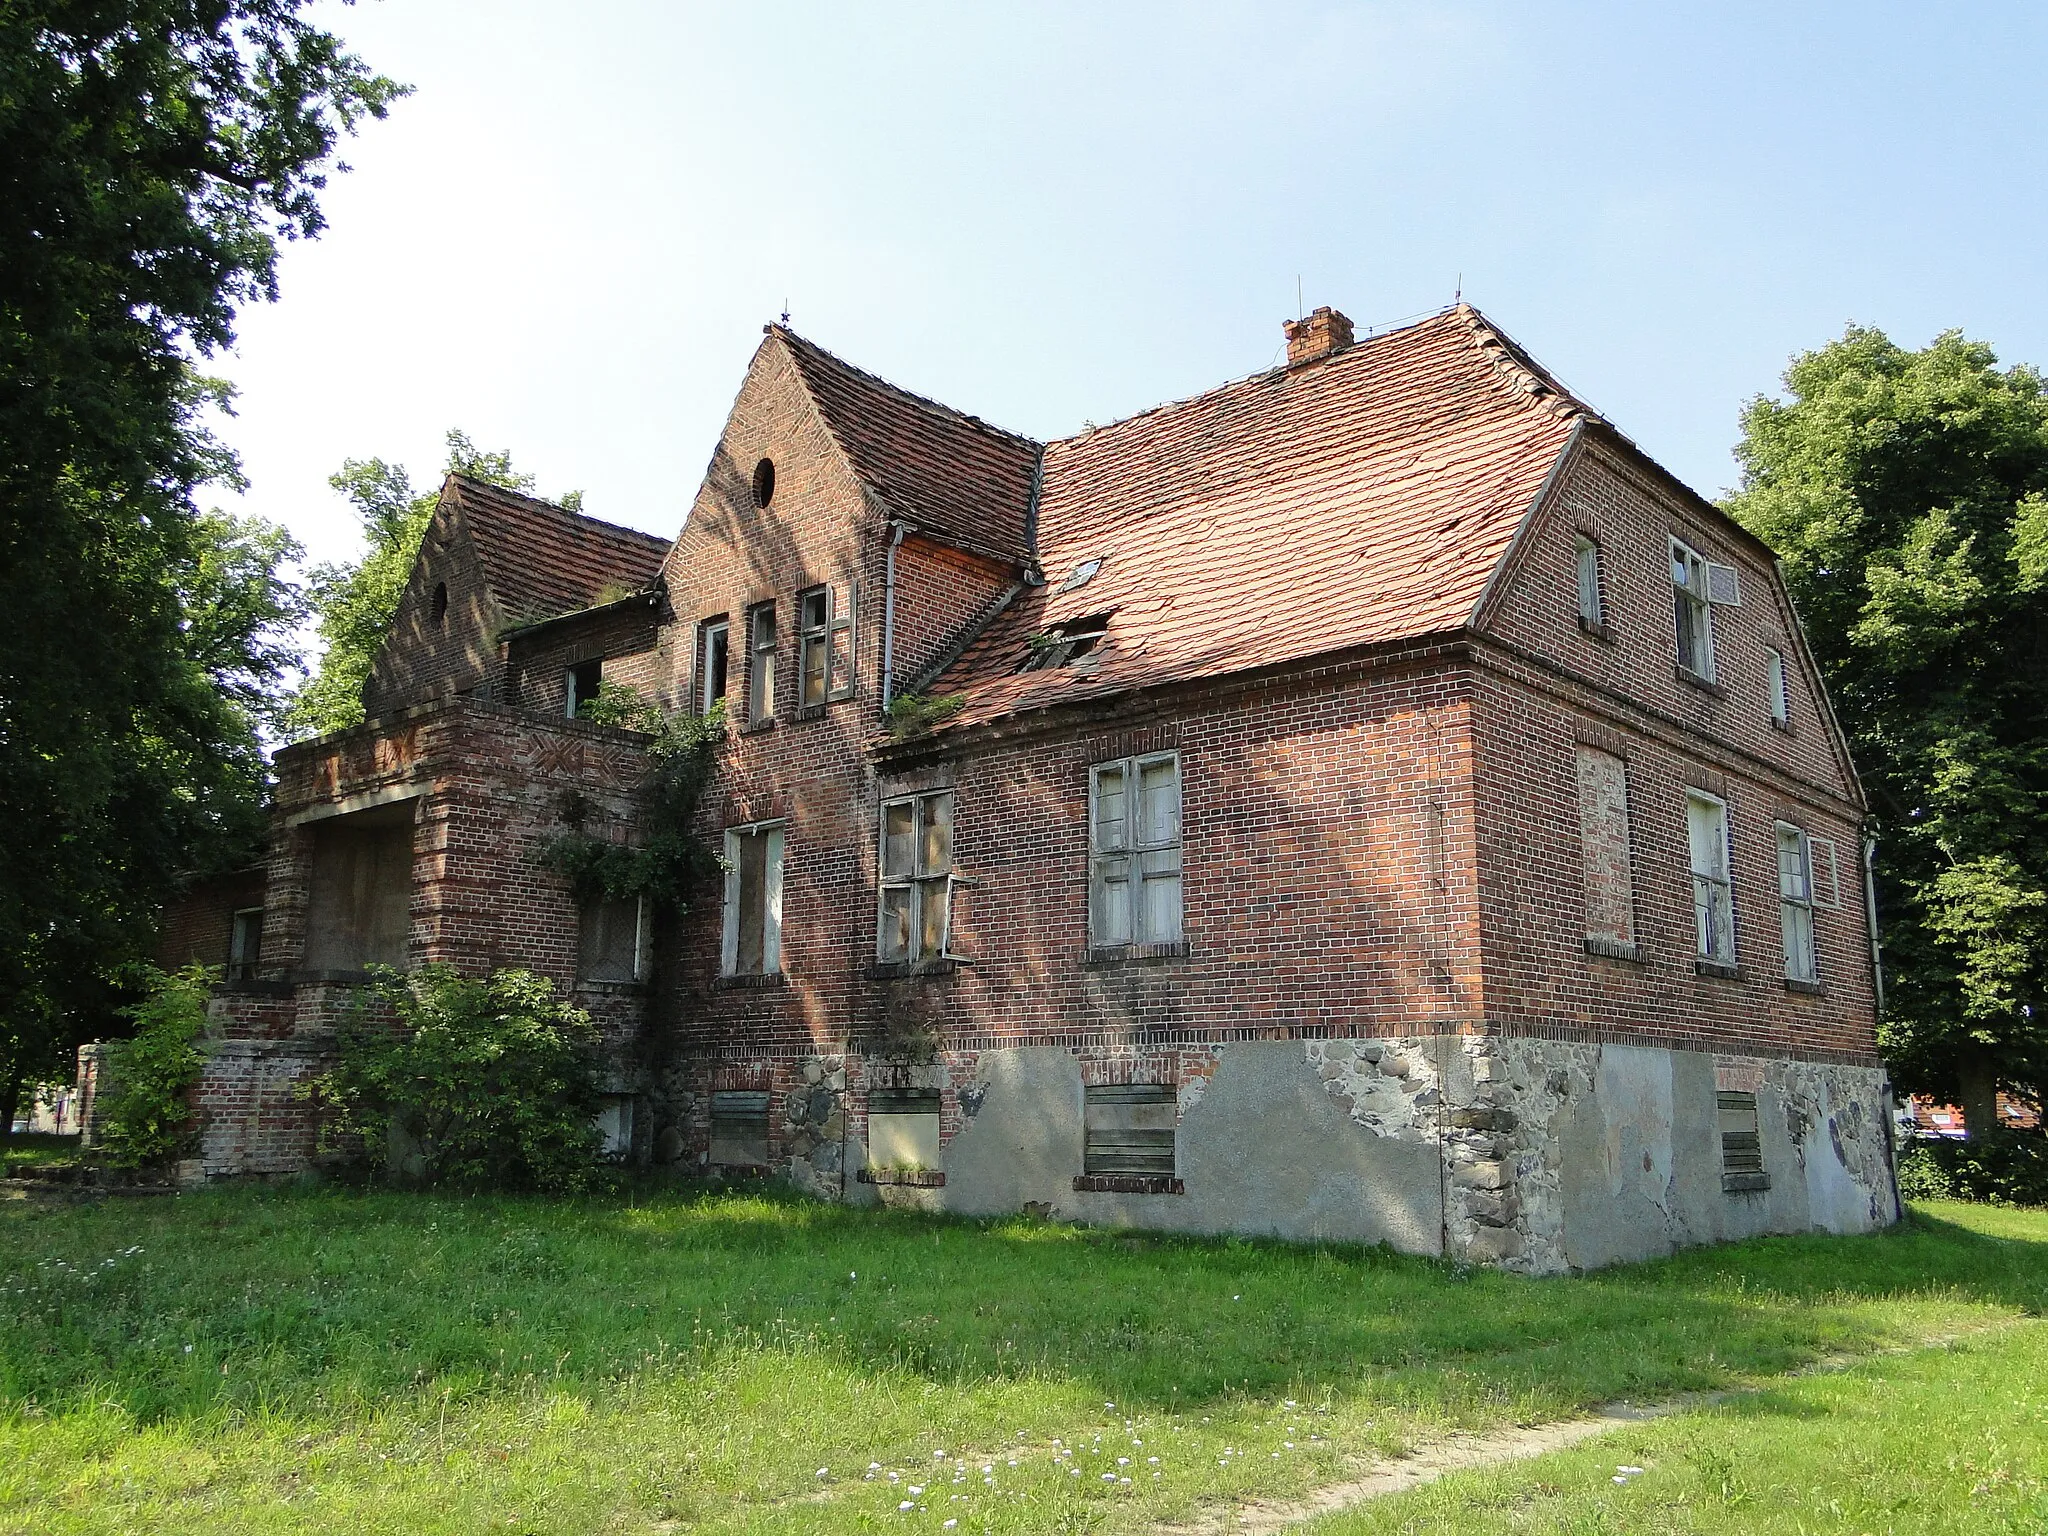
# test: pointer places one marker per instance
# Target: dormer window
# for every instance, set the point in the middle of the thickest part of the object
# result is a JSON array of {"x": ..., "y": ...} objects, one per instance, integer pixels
[{"x": 1064, "y": 642}]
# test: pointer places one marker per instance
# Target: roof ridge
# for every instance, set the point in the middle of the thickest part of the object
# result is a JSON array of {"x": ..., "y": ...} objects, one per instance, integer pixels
[
  {"x": 926, "y": 402},
  {"x": 496, "y": 489},
  {"x": 1513, "y": 362}
]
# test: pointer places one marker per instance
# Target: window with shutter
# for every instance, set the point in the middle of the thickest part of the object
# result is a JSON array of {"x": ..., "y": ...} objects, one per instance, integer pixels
[
  {"x": 1134, "y": 883},
  {"x": 1742, "y": 1155}
]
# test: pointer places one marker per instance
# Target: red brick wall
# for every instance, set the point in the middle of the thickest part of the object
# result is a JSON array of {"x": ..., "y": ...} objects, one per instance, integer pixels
[
  {"x": 422, "y": 660},
  {"x": 626, "y": 639},
  {"x": 197, "y": 925}
]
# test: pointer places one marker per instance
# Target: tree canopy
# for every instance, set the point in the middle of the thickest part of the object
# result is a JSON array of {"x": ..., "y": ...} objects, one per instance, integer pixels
[
  {"x": 153, "y": 153},
  {"x": 1907, "y": 492}
]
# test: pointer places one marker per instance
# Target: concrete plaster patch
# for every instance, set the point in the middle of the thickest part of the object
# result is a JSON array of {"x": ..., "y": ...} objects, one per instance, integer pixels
[{"x": 1024, "y": 1142}]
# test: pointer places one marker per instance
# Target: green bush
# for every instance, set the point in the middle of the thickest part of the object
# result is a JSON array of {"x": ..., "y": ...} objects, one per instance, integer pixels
[
  {"x": 482, "y": 1084},
  {"x": 145, "y": 1117},
  {"x": 1999, "y": 1168}
]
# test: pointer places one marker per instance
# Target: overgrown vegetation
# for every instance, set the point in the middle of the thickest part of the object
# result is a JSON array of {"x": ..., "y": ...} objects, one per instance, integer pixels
[
  {"x": 668, "y": 862},
  {"x": 914, "y": 714},
  {"x": 145, "y": 1114},
  {"x": 2002, "y": 1167},
  {"x": 327, "y": 1360},
  {"x": 484, "y": 1083}
]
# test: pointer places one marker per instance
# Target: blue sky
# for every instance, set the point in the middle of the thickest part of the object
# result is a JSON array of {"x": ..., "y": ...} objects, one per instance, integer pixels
[{"x": 566, "y": 241}]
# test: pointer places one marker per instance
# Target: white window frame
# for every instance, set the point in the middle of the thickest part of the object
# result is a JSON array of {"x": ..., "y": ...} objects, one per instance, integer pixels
[
  {"x": 707, "y": 630},
  {"x": 1794, "y": 850},
  {"x": 1776, "y": 687},
  {"x": 1692, "y": 610},
  {"x": 1713, "y": 888},
  {"x": 919, "y": 885},
  {"x": 761, "y": 662},
  {"x": 1128, "y": 859},
  {"x": 1592, "y": 605},
  {"x": 771, "y": 917}
]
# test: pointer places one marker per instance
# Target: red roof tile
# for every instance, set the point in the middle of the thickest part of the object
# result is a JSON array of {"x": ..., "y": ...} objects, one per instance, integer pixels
[
  {"x": 541, "y": 560},
  {"x": 1364, "y": 498},
  {"x": 937, "y": 468}
]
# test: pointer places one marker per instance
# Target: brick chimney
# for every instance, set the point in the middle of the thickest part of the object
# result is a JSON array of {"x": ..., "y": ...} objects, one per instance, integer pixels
[{"x": 1324, "y": 332}]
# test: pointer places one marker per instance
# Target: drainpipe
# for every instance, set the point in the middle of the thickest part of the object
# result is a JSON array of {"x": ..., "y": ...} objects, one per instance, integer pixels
[
  {"x": 1870, "y": 914},
  {"x": 889, "y": 614}
]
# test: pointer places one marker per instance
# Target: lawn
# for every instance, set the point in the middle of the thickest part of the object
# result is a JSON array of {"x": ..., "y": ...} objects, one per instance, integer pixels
[{"x": 333, "y": 1361}]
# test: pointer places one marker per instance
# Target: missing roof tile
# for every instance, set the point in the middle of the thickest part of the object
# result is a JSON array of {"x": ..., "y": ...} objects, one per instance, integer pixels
[{"x": 1064, "y": 642}]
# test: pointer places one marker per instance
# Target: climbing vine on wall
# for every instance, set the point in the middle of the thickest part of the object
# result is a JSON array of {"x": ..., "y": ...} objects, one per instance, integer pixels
[{"x": 669, "y": 863}]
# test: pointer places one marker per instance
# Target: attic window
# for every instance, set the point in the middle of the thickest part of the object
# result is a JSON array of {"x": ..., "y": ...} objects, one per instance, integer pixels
[
  {"x": 1064, "y": 642},
  {"x": 441, "y": 605},
  {"x": 1081, "y": 575},
  {"x": 764, "y": 482}
]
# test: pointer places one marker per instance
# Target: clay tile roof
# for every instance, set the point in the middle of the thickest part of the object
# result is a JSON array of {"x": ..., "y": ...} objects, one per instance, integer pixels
[
  {"x": 945, "y": 472},
  {"x": 541, "y": 560},
  {"x": 1364, "y": 498}
]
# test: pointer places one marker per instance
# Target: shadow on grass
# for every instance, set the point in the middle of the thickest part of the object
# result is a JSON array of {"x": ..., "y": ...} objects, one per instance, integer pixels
[{"x": 238, "y": 1299}]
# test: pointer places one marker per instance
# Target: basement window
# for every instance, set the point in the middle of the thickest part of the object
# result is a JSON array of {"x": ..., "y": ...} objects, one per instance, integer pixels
[
  {"x": 903, "y": 1128},
  {"x": 1128, "y": 1130},
  {"x": 580, "y": 685},
  {"x": 739, "y": 1128},
  {"x": 615, "y": 1127},
  {"x": 1064, "y": 642},
  {"x": 1742, "y": 1152},
  {"x": 245, "y": 944}
]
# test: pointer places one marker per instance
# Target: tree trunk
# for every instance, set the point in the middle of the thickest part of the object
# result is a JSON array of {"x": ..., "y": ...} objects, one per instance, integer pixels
[
  {"x": 1977, "y": 1086},
  {"x": 10, "y": 1100}
]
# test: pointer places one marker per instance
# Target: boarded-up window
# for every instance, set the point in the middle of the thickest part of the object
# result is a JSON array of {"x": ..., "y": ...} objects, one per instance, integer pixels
[
  {"x": 359, "y": 905},
  {"x": 753, "y": 900},
  {"x": 739, "y": 1127},
  {"x": 1604, "y": 848},
  {"x": 1128, "y": 1129},
  {"x": 1742, "y": 1153},
  {"x": 613, "y": 942},
  {"x": 615, "y": 1125},
  {"x": 903, "y": 1128}
]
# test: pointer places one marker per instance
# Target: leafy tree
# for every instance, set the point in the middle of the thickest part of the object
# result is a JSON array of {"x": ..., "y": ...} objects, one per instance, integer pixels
[
  {"x": 355, "y": 600},
  {"x": 1908, "y": 495},
  {"x": 145, "y": 1116}
]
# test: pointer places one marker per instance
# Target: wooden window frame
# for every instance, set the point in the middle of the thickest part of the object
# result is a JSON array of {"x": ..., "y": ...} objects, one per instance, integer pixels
[
  {"x": 920, "y": 885},
  {"x": 1592, "y": 600},
  {"x": 718, "y": 628},
  {"x": 761, "y": 662},
  {"x": 772, "y": 881},
  {"x": 1713, "y": 922},
  {"x": 1777, "y": 686},
  {"x": 1134, "y": 853}
]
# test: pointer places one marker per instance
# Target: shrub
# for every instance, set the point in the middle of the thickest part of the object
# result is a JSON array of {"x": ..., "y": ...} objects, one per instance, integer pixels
[
  {"x": 482, "y": 1084},
  {"x": 145, "y": 1117},
  {"x": 914, "y": 714},
  {"x": 1999, "y": 1168}
]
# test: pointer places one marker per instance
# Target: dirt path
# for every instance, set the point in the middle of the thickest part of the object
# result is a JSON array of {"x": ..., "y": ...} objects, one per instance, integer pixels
[{"x": 1462, "y": 1452}]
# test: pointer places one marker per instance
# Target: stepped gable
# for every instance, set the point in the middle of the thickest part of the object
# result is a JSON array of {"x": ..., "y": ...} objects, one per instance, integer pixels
[
  {"x": 541, "y": 560},
  {"x": 945, "y": 472},
  {"x": 1363, "y": 497}
]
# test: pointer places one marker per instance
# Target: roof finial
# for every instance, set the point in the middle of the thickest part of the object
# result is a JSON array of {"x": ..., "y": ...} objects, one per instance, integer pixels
[
  {"x": 785, "y": 312},
  {"x": 1457, "y": 293}
]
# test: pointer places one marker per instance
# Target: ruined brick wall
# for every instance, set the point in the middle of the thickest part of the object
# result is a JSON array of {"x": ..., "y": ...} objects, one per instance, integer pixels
[
  {"x": 1552, "y": 691},
  {"x": 943, "y": 596},
  {"x": 428, "y": 656},
  {"x": 624, "y": 638},
  {"x": 197, "y": 924}
]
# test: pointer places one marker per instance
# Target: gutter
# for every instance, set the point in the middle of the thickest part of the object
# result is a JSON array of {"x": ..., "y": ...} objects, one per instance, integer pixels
[
  {"x": 1870, "y": 915},
  {"x": 898, "y": 529}
]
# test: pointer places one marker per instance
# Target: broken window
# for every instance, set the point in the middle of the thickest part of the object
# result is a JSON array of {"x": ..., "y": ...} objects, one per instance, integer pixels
[
  {"x": 916, "y": 878},
  {"x": 761, "y": 663},
  {"x": 739, "y": 1127},
  {"x": 615, "y": 1126},
  {"x": 1742, "y": 1151},
  {"x": 1697, "y": 587},
  {"x": 1604, "y": 850},
  {"x": 1592, "y": 613},
  {"x": 1713, "y": 897},
  {"x": 712, "y": 638},
  {"x": 1774, "y": 684},
  {"x": 1064, "y": 642},
  {"x": 1128, "y": 1129},
  {"x": 580, "y": 686},
  {"x": 359, "y": 903},
  {"x": 1134, "y": 891},
  {"x": 612, "y": 943},
  {"x": 753, "y": 900},
  {"x": 1807, "y": 878},
  {"x": 245, "y": 944},
  {"x": 441, "y": 605},
  {"x": 825, "y": 644},
  {"x": 903, "y": 1128}
]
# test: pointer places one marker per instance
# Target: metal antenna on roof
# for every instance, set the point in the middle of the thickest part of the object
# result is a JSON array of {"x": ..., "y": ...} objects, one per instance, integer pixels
[
  {"x": 1457, "y": 294},
  {"x": 1299, "y": 311},
  {"x": 785, "y": 312}
]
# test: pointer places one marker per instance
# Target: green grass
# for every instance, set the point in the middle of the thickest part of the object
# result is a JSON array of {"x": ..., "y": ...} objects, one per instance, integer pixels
[
  {"x": 334, "y": 1361},
  {"x": 36, "y": 1148}
]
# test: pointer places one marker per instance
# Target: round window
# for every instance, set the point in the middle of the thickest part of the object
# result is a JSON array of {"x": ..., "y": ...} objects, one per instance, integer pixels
[{"x": 764, "y": 482}]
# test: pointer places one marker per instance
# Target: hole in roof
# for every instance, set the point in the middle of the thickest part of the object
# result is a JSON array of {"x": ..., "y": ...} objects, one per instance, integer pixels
[
  {"x": 440, "y": 605},
  {"x": 764, "y": 482},
  {"x": 1081, "y": 575},
  {"x": 1064, "y": 642}
]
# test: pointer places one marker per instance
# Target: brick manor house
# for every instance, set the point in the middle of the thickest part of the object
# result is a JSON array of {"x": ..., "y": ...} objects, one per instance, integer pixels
[{"x": 1377, "y": 803}]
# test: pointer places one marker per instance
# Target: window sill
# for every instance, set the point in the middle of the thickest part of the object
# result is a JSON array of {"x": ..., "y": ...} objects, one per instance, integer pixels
[
  {"x": 1783, "y": 727},
  {"x": 612, "y": 988},
  {"x": 894, "y": 970},
  {"x": 1744, "y": 1183},
  {"x": 750, "y": 983},
  {"x": 756, "y": 727},
  {"x": 1120, "y": 954},
  {"x": 807, "y": 712},
  {"x": 1595, "y": 630},
  {"x": 1810, "y": 988},
  {"x": 1610, "y": 949},
  {"x": 907, "y": 1178},
  {"x": 1720, "y": 968},
  {"x": 1692, "y": 679},
  {"x": 1128, "y": 1184},
  {"x": 340, "y": 978}
]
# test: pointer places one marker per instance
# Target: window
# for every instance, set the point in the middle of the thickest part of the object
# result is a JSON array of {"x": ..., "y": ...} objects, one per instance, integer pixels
[
  {"x": 764, "y": 482},
  {"x": 245, "y": 944},
  {"x": 1713, "y": 899},
  {"x": 580, "y": 686},
  {"x": 1127, "y": 1128},
  {"x": 1742, "y": 1151},
  {"x": 916, "y": 878},
  {"x": 753, "y": 900},
  {"x": 761, "y": 663},
  {"x": 1064, "y": 642},
  {"x": 712, "y": 638},
  {"x": 739, "y": 1127},
  {"x": 1697, "y": 587},
  {"x": 615, "y": 1126},
  {"x": 612, "y": 943},
  {"x": 1592, "y": 614},
  {"x": 903, "y": 1128},
  {"x": 1808, "y": 877},
  {"x": 359, "y": 899},
  {"x": 1774, "y": 684},
  {"x": 824, "y": 645},
  {"x": 1134, "y": 894},
  {"x": 1604, "y": 853},
  {"x": 441, "y": 605}
]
